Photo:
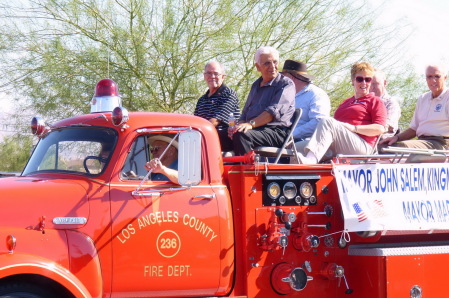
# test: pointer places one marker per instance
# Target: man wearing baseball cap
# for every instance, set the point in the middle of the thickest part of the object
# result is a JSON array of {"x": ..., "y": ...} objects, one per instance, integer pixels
[
  {"x": 164, "y": 167},
  {"x": 313, "y": 101}
]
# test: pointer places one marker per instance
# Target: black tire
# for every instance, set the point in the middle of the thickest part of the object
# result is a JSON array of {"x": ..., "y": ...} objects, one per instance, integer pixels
[{"x": 25, "y": 290}]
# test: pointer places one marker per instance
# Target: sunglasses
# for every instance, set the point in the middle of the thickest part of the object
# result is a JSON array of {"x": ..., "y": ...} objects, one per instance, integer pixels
[
  {"x": 437, "y": 77},
  {"x": 155, "y": 149},
  {"x": 361, "y": 79}
]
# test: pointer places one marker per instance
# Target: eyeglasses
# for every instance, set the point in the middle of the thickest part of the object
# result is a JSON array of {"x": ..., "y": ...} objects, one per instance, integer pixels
[
  {"x": 437, "y": 77},
  {"x": 361, "y": 79},
  {"x": 269, "y": 63},
  {"x": 155, "y": 149},
  {"x": 210, "y": 74}
]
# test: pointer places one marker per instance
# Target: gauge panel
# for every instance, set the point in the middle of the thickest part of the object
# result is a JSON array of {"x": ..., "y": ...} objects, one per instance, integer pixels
[{"x": 289, "y": 190}]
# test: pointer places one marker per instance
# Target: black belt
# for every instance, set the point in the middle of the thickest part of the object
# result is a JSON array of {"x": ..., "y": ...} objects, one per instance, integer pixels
[{"x": 433, "y": 137}]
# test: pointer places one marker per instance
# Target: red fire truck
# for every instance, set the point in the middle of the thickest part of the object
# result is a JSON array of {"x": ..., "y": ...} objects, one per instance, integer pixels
[{"x": 86, "y": 219}]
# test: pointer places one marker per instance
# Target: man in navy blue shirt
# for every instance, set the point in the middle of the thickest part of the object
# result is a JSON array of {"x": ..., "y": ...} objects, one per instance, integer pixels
[{"x": 269, "y": 108}]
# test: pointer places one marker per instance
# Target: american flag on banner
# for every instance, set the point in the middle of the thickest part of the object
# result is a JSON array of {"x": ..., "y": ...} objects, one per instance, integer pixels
[
  {"x": 361, "y": 216},
  {"x": 378, "y": 209},
  {"x": 379, "y": 202}
]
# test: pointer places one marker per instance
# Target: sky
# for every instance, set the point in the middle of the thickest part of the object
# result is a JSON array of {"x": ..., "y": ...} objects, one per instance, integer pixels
[{"x": 429, "y": 21}]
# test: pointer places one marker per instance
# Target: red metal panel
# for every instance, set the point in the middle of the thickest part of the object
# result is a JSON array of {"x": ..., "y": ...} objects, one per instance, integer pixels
[
  {"x": 394, "y": 276},
  {"x": 426, "y": 271},
  {"x": 366, "y": 276}
]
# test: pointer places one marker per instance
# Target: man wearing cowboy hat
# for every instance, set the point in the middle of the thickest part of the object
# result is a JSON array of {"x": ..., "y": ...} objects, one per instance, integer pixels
[
  {"x": 164, "y": 167},
  {"x": 313, "y": 101}
]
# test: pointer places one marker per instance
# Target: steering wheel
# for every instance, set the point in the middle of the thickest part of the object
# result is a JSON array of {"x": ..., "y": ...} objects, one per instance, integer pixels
[{"x": 100, "y": 160}]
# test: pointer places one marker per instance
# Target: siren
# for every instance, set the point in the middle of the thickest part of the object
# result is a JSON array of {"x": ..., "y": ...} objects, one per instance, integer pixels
[{"x": 106, "y": 97}]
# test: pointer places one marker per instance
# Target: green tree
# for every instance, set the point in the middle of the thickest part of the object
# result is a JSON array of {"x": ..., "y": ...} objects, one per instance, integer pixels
[
  {"x": 14, "y": 152},
  {"x": 54, "y": 51},
  {"x": 409, "y": 86}
]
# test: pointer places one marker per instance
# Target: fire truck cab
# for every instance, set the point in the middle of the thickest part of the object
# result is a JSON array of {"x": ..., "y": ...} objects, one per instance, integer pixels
[{"x": 86, "y": 219}]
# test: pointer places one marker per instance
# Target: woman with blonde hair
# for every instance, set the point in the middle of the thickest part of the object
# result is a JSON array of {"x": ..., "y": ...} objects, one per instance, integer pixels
[{"x": 356, "y": 125}]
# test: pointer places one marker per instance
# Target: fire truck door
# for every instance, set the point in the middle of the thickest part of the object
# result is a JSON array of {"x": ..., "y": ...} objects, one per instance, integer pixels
[{"x": 167, "y": 242}]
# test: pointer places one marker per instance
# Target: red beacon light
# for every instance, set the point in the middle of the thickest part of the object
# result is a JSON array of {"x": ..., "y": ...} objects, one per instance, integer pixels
[
  {"x": 120, "y": 116},
  {"x": 38, "y": 127},
  {"x": 106, "y": 97}
]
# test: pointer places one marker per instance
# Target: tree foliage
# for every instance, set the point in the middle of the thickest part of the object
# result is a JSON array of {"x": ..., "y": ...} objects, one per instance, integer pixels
[
  {"x": 54, "y": 51},
  {"x": 14, "y": 152},
  {"x": 408, "y": 85}
]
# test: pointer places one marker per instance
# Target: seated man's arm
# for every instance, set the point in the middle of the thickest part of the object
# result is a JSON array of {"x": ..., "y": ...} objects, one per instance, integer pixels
[
  {"x": 281, "y": 102},
  {"x": 260, "y": 120},
  {"x": 263, "y": 119},
  {"x": 407, "y": 134},
  {"x": 171, "y": 174},
  {"x": 157, "y": 167},
  {"x": 214, "y": 121}
]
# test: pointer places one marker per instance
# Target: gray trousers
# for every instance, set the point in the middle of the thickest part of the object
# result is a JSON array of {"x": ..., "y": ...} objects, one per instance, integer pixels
[{"x": 331, "y": 138}]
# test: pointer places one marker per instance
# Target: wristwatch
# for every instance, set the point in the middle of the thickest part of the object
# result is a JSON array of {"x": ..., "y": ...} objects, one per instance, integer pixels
[{"x": 253, "y": 123}]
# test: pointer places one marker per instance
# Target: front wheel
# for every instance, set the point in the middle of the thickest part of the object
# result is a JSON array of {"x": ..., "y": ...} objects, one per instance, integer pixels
[{"x": 26, "y": 290}]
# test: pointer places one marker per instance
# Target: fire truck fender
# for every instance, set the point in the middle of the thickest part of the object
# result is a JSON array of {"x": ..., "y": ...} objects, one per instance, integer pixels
[
  {"x": 15, "y": 264},
  {"x": 85, "y": 262}
]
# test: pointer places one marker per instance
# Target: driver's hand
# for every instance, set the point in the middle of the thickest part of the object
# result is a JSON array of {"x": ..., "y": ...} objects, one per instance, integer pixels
[{"x": 155, "y": 165}]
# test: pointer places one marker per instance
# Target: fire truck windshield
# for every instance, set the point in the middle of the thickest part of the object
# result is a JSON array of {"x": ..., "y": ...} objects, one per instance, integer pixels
[{"x": 84, "y": 150}]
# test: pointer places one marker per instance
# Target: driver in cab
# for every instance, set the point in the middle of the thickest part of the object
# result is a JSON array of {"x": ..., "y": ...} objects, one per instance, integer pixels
[{"x": 164, "y": 164}]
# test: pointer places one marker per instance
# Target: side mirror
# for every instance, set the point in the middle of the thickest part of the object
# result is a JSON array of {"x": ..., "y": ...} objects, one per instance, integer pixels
[{"x": 189, "y": 158}]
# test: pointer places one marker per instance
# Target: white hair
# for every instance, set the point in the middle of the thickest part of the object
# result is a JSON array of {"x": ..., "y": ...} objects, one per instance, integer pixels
[
  {"x": 441, "y": 66},
  {"x": 380, "y": 74},
  {"x": 265, "y": 50},
  {"x": 215, "y": 61}
]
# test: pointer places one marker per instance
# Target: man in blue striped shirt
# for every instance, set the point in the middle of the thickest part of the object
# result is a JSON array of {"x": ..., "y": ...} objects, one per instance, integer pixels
[{"x": 218, "y": 103}]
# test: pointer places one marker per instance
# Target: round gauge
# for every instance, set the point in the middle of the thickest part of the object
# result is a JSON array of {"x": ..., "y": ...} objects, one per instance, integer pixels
[
  {"x": 290, "y": 190},
  {"x": 274, "y": 190},
  {"x": 306, "y": 190},
  {"x": 282, "y": 200}
]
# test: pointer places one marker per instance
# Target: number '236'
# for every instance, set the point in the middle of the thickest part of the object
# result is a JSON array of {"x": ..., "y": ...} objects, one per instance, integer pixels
[{"x": 167, "y": 243}]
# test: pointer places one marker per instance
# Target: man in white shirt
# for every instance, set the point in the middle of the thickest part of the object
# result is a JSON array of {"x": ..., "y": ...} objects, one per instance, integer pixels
[{"x": 430, "y": 122}]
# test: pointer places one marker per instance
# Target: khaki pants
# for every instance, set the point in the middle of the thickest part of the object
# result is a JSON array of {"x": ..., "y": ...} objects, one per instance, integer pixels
[
  {"x": 331, "y": 138},
  {"x": 423, "y": 142}
]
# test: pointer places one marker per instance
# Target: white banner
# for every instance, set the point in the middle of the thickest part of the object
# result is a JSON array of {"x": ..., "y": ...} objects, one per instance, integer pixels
[{"x": 377, "y": 197}]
